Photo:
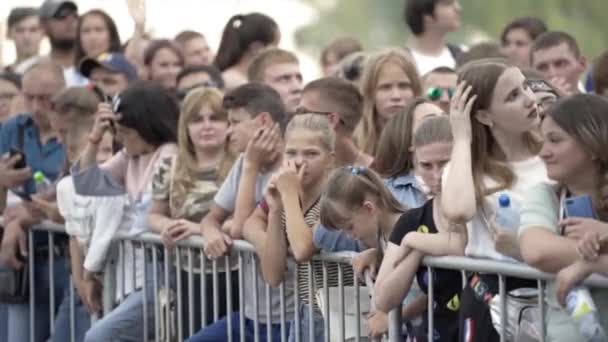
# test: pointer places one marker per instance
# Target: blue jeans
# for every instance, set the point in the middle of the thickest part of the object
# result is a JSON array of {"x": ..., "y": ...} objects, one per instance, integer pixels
[
  {"x": 19, "y": 314},
  {"x": 126, "y": 321},
  {"x": 319, "y": 328},
  {"x": 219, "y": 331},
  {"x": 3, "y": 322}
]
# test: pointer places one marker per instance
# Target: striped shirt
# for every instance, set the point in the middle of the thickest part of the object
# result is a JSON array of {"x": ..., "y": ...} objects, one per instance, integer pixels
[{"x": 303, "y": 275}]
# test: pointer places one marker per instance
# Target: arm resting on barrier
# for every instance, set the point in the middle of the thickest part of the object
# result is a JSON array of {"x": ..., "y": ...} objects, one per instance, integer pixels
[
  {"x": 108, "y": 219},
  {"x": 393, "y": 289},
  {"x": 392, "y": 255},
  {"x": 158, "y": 216},
  {"x": 439, "y": 244},
  {"x": 547, "y": 251},
  {"x": 265, "y": 232}
]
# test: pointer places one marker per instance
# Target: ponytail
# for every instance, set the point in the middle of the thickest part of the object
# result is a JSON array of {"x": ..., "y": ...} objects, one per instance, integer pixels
[
  {"x": 350, "y": 186},
  {"x": 240, "y": 32}
]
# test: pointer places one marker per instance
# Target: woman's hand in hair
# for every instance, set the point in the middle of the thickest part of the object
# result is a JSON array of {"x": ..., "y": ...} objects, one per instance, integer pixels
[
  {"x": 137, "y": 10},
  {"x": 569, "y": 277},
  {"x": 105, "y": 118},
  {"x": 460, "y": 112},
  {"x": 576, "y": 227}
]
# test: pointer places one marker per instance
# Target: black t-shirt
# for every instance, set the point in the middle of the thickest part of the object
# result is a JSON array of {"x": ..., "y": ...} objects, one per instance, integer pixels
[{"x": 447, "y": 283}]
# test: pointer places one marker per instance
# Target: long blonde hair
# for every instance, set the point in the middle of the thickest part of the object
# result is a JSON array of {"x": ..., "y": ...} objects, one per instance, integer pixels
[
  {"x": 186, "y": 168},
  {"x": 368, "y": 131},
  {"x": 487, "y": 156}
]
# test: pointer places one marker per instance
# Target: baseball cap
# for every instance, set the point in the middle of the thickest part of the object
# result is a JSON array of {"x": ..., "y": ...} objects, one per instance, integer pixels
[
  {"x": 17, "y": 14},
  {"x": 113, "y": 61},
  {"x": 51, "y": 8}
]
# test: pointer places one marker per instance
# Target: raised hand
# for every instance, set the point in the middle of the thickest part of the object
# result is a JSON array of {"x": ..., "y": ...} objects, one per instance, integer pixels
[
  {"x": 137, "y": 10},
  {"x": 460, "y": 112}
]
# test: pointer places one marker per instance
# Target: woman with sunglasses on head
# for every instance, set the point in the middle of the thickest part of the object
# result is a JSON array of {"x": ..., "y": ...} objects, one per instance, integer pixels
[{"x": 144, "y": 119}]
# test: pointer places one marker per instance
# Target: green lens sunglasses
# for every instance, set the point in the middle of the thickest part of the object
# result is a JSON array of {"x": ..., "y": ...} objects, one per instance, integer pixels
[{"x": 434, "y": 93}]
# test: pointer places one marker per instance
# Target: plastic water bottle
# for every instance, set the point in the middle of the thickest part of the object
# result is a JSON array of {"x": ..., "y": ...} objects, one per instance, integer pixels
[
  {"x": 582, "y": 309},
  {"x": 43, "y": 184},
  {"x": 506, "y": 216}
]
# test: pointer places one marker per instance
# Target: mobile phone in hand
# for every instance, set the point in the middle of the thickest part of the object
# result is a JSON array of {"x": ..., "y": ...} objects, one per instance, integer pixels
[
  {"x": 580, "y": 206},
  {"x": 21, "y": 164}
]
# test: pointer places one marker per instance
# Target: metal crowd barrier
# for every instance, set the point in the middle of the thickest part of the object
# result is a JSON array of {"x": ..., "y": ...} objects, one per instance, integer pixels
[
  {"x": 503, "y": 270},
  {"x": 170, "y": 314},
  {"x": 168, "y": 308}
]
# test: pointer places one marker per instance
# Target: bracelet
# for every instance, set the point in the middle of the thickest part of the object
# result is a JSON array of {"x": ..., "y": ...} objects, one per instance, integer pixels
[{"x": 94, "y": 141}]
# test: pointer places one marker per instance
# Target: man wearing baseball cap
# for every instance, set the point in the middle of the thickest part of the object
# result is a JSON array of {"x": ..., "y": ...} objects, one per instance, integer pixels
[
  {"x": 59, "y": 19},
  {"x": 110, "y": 72}
]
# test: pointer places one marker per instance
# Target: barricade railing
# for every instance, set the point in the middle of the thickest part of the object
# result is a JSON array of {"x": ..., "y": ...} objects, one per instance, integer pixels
[
  {"x": 184, "y": 291},
  {"x": 502, "y": 270}
]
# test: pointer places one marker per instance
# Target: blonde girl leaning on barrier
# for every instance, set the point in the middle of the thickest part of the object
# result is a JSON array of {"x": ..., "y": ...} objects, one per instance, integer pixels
[
  {"x": 282, "y": 225},
  {"x": 184, "y": 186},
  {"x": 575, "y": 132},
  {"x": 494, "y": 122}
]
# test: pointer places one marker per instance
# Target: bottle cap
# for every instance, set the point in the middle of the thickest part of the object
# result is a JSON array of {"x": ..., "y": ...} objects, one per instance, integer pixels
[
  {"x": 39, "y": 176},
  {"x": 504, "y": 201}
]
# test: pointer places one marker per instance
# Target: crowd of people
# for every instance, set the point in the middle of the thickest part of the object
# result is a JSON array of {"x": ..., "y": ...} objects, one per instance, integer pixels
[{"x": 395, "y": 154}]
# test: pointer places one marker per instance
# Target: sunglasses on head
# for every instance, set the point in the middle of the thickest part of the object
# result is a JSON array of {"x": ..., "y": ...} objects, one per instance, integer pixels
[{"x": 435, "y": 93}]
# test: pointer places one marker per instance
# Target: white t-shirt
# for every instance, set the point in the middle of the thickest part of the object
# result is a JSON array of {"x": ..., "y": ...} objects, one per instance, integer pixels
[
  {"x": 480, "y": 242},
  {"x": 426, "y": 63}
]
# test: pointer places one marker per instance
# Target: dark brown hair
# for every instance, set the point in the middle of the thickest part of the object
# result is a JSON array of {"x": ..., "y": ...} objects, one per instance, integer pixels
[{"x": 115, "y": 45}]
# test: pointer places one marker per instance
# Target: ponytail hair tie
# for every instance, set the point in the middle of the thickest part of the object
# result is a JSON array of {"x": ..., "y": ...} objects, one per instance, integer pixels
[
  {"x": 355, "y": 170},
  {"x": 238, "y": 21}
]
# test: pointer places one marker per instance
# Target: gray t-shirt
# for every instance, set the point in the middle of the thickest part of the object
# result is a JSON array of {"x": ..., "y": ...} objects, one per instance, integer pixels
[
  {"x": 226, "y": 196},
  {"x": 226, "y": 199}
]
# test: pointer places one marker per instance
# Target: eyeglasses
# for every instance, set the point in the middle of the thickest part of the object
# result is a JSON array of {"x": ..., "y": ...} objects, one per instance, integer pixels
[
  {"x": 181, "y": 94},
  {"x": 304, "y": 110},
  {"x": 435, "y": 93}
]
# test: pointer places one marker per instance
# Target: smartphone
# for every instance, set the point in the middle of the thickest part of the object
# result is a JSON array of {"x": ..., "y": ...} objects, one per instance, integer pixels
[
  {"x": 21, "y": 164},
  {"x": 580, "y": 206}
]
